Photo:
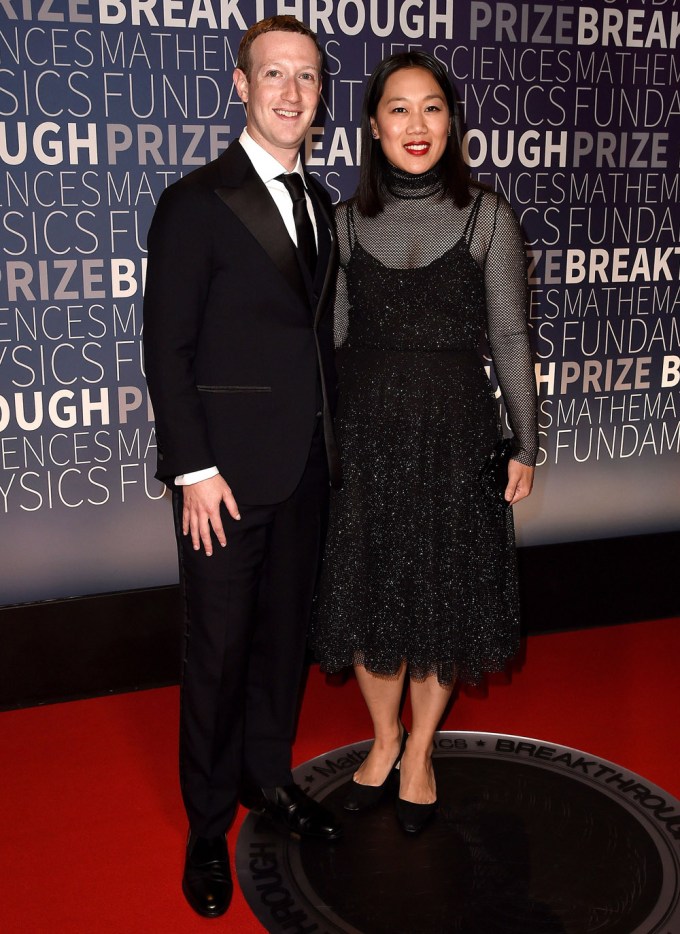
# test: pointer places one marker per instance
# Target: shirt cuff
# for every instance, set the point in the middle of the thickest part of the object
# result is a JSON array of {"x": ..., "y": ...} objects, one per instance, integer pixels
[{"x": 195, "y": 476}]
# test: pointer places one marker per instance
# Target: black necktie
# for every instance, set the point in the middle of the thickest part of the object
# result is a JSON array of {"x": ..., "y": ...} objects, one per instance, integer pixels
[{"x": 303, "y": 225}]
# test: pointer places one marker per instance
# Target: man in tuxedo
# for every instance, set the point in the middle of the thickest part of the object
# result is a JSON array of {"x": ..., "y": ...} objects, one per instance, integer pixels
[{"x": 239, "y": 356}]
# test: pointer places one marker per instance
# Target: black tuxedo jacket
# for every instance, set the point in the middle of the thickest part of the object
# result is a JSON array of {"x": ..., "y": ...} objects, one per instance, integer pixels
[{"x": 238, "y": 338}]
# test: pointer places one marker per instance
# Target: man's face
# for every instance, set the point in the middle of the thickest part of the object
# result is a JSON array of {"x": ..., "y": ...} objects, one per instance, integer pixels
[{"x": 283, "y": 92}]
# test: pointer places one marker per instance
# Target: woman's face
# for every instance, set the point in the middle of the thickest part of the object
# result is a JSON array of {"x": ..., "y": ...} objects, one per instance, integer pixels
[{"x": 412, "y": 120}]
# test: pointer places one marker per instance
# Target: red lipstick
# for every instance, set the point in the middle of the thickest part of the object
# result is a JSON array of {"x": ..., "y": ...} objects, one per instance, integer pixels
[{"x": 417, "y": 147}]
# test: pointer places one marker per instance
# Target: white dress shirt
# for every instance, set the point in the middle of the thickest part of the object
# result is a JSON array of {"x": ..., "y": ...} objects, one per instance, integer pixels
[{"x": 267, "y": 167}]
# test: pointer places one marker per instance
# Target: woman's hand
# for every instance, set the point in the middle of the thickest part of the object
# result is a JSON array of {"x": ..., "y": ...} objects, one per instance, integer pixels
[{"x": 520, "y": 482}]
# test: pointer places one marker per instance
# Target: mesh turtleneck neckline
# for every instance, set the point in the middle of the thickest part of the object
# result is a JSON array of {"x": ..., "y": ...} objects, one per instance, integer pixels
[{"x": 402, "y": 184}]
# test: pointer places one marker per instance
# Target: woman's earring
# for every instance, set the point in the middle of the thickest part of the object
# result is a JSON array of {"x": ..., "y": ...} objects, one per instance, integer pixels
[{"x": 374, "y": 135}]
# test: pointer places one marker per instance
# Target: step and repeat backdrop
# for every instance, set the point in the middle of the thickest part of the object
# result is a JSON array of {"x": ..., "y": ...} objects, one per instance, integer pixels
[{"x": 572, "y": 111}]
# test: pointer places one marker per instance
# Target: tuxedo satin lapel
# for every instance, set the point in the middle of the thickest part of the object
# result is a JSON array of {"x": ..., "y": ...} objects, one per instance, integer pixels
[{"x": 246, "y": 195}]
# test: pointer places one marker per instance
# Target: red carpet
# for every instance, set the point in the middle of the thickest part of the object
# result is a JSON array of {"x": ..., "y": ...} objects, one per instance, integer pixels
[{"x": 91, "y": 819}]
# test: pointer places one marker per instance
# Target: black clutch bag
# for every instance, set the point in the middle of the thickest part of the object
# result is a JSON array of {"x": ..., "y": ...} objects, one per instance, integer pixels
[{"x": 493, "y": 475}]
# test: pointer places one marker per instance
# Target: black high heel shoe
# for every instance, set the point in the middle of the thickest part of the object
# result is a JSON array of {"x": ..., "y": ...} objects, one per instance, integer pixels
[
  {"x": 413, "y": 817},
  {"x": 362, "y": 797}
]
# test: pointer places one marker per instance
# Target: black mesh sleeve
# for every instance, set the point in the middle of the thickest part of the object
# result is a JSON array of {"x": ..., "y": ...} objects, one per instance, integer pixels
[
  {"x": 342, "y": 305},
  {"x": 506, "y": 297}
]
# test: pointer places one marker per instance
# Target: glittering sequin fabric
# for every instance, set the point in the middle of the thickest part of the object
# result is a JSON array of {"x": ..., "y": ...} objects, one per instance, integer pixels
[{"x": 420, "y": 563}]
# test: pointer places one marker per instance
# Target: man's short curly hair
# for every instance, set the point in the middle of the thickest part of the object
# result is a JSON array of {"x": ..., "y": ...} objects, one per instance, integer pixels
[{"x": 272, "y": 24}]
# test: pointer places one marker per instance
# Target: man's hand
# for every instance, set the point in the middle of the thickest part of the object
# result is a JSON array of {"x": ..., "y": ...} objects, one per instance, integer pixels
[
  {"x": 201, "y": 510},
  {"x": 520, "y": 482}
]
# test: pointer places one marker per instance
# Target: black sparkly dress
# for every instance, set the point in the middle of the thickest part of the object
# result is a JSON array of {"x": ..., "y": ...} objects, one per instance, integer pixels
[{"x": 420, "y": 562}]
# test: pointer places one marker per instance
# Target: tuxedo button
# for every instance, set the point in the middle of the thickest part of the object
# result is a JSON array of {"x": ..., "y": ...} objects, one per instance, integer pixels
[{"x": 319, "y": 414}]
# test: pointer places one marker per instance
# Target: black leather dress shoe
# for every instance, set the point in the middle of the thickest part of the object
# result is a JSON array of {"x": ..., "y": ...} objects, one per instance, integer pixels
[
  {"x": 292, "y": 811},
  {"x": 207, "y": 884}
]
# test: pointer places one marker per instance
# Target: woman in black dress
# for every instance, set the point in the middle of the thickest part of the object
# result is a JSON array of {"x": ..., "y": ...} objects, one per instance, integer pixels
[{"x": 420, "y": 578}]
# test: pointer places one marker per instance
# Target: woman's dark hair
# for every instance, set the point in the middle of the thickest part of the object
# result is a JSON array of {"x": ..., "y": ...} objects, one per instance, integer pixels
[{"x": 455, "y": 173}]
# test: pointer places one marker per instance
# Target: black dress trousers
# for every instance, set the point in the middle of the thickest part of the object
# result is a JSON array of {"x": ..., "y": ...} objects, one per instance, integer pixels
[{"x": 247, "y": 609}]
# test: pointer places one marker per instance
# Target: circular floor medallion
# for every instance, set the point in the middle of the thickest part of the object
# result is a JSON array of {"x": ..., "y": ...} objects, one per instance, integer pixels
[{"x": 530, "y": 838}]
